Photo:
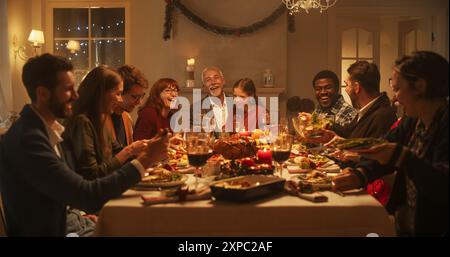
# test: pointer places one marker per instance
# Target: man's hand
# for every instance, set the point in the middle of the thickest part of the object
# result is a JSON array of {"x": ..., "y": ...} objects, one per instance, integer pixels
[
  {"x": 325, "y": 137},
  {"x": 347, "y": 180}
]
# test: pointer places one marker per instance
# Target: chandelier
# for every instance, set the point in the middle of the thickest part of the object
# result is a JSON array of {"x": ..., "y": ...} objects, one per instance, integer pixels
[{"x": 294, "y": 5}]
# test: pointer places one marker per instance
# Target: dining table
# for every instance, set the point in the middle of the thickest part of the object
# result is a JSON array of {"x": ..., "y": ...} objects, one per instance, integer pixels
[{"x": 351, "y": 214}]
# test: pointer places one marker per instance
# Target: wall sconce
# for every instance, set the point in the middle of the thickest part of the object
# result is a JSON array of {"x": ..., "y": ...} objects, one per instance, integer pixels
[
  {"x": 190, "y": 68},
  {"x": 36, "y": 38},
  {"x": 73, "y": 46}
]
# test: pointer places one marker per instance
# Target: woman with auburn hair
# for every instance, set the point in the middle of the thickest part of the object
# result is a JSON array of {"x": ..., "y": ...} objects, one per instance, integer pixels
[
  {"x": 156, "y": 112},
  {"x": 94, "y": 152},
  {"x": 249, "y": 114}
]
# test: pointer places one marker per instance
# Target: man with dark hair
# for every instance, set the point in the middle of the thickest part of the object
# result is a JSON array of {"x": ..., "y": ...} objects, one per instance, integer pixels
[
  {"x": 36, "y": 183},
  {"x": 326, "y": 87},
  {"x": 134, "y": 86},
  {"x": 375, "y": 113}
]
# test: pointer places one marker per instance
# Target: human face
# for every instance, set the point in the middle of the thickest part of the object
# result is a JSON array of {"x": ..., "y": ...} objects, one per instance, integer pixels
[
  {"x": 240, "y": 97},
  {"x": 132, "y": 98},
  {"x": 326, "y": 92},
  {"x": 168, "y": 95},
  {"x": 350, "y": 88},
  {"x": 113, "y": 98},
  {"x": 214, "y": 82},
  {"x": 63, "y": 96},
  {"x": 404, "y": 93}
]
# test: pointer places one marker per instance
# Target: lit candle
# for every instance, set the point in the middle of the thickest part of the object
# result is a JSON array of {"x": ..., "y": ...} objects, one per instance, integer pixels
[
  {"x": 245, "y": 133},
  {"x": 191, "y": 62},
  {"x": 190, "y": 81},
  {"x": 265, "y": 156}
]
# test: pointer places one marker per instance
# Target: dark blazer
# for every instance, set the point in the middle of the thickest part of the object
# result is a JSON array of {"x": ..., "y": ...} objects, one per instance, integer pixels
[
  {"x": 429, "y": 173},
  {"x": 375, "y": 123},
  {"x": 37, "y": 185}
]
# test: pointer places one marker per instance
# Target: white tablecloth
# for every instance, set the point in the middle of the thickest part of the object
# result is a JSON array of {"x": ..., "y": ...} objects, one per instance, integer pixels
[{"x": 282, "y": 215}]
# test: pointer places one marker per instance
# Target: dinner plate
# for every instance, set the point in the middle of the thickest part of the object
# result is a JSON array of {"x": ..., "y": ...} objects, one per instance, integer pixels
[
  {"x": 296, "y": 169},
  {"x": 186, "y": 170},
  {"x": 333, "y": 168},
  {"x": 156, "y": 184}
]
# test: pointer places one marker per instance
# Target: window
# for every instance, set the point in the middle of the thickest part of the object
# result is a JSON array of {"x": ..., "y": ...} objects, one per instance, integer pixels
[
  {"x": 357, "y": 45},
  {"x": 98, "y": 35}
]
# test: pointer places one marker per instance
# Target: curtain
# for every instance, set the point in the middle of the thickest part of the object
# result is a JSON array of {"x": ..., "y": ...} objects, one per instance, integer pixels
[{"x": 5, "y": 74}]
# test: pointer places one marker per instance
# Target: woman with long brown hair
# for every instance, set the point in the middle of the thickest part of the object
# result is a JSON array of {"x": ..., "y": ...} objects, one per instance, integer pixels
[
  {"x": 94, "y": 151},
  {"x": 156, "y": 113}
]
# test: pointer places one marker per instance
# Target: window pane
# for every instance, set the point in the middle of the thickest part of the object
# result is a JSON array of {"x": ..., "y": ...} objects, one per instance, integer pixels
[
  {"x": 109, "y": 52},
  {"x": 70, "y": 22},
  {"x": 365, "y": 44},
  {"x": 345, "y": 64},
  {"x": 349, "y": 43},
  {"x": 80, "y": 59},
  {"x": 108, "y": 22}
]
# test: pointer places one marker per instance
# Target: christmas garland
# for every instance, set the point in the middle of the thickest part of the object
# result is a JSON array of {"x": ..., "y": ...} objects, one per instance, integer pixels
[{"x": 172, "y": 4}]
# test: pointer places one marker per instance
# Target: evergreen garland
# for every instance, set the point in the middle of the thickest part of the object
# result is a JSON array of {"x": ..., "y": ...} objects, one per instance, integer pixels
[{"x": 172, "y": 4}]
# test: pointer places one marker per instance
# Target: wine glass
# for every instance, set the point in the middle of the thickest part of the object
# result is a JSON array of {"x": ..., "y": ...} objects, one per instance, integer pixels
[
  {"x": 198, "y": 150},
  {"x": 281, "y": 150}
]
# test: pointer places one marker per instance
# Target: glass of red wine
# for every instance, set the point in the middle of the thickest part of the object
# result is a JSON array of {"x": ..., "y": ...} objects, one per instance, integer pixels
[
  {"x": 198, "y": 150},
  {"x": 281, "y": 150}
]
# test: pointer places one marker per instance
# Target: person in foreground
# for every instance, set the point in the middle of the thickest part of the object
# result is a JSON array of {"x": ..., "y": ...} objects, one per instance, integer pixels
[
  {"x": 417, "y": 149},
  {"x": 36, "y": 183}
]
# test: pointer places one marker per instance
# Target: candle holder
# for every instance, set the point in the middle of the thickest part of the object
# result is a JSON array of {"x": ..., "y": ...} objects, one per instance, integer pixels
[{"x": 190, "y": 68}]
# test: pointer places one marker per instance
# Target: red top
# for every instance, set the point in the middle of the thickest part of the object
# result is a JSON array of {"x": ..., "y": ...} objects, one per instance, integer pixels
[{"x": 148, "y": 123}]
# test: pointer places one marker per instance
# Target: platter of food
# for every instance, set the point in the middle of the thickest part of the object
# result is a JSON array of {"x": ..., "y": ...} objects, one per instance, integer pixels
[
  {"x": 357, "y": 144},
  {"x": 162, "y": 178},
  {"x": 246, "y": 188},
  {"x": 314, "y": 181},
  {"x": 311, "y": 125}
]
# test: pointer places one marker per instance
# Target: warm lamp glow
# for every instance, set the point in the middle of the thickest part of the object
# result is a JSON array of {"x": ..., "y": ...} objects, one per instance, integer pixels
[
  {"x": 73, "y": 46},
  {"x": 36, "y": 37}
]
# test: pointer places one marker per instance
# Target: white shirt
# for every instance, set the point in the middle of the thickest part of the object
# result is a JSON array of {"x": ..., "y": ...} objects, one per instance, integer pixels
[
  {"x": 220, "y": 112},
  {"x": 364, "y": 110},
  {"x": 54, "y": 131}
]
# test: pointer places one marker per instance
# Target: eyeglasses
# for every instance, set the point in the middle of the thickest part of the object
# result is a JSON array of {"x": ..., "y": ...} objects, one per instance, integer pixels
[
  {"x": 138, "y": 97},
  {"x": 391, "y": 85},
  {"x": 171, "y": 91}
]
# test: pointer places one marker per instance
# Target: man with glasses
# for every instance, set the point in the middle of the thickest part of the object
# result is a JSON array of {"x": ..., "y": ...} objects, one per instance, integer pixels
[
  {"x": 134, "y": 86},
  {"x": 331, "y": 103}
]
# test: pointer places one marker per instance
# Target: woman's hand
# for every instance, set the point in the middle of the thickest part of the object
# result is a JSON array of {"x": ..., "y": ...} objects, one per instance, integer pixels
[
  {"x": 155, "y": 151},
  {"x": 138, "y": 146},
  {"x": 346, "y": 180},
  {"x": 176, "y": 140}
]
